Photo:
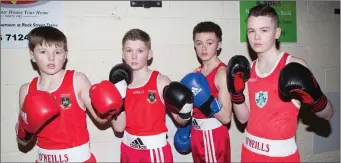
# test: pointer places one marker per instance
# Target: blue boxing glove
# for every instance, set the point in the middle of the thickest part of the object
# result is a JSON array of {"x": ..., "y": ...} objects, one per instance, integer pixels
[
  {"x": 203, "y": 99},
  {"x": 182, "y": 139}
]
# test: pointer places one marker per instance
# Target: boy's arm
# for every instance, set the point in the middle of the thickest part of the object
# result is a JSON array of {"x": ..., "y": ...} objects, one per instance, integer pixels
[
  {"x": 82, "y": 86},
  {"x": 119, "y": 122},
  {"x": 328, "y": 112},
  {"x": 22, "y": 94},
  {"x": 242, "y": 110},
  {"x": 225, "y": 114},
  {"x": 162, "y": 82}
]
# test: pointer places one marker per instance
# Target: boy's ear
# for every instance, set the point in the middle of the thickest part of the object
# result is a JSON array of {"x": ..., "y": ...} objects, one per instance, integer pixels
[
  {"x": 123, "y": 55},
  {"x": 32, "y": 56},
  {"x": 150, "y": 54},
  {"x": 278, "y": 32},
  {"x": 219, "y": 46}
]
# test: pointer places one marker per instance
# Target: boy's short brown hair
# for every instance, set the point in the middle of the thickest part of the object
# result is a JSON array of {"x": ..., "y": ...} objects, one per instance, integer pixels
[
  {"x": 48, "y": 35},
  {"x": 137, "y": 34},
  {"x": 264, "y": 10}
]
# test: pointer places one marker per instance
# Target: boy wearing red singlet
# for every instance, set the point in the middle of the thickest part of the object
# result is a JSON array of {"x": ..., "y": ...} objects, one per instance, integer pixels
[
  {"x": 143, "y": 117},
  {"x": 53, "y": 106},
  {"x": 276, "y": 85},
  {"x": 210, "y": 140}
]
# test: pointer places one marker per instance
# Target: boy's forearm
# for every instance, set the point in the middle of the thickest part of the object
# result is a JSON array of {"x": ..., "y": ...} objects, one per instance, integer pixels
[
  {"x": 327, "y": 113},
  {"x": 224, "y": 115},
  {"x": 119, "y": 123},
  {"x": 242, "y": 112}
]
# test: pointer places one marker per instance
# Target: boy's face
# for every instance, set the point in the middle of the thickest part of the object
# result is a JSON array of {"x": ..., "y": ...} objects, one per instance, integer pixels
[
  {"x": 136, "y": 54},
  {"x": 262, "y": 33},
  {"x": 49, "y": 58},
  {"x": 206, "y": 45}
]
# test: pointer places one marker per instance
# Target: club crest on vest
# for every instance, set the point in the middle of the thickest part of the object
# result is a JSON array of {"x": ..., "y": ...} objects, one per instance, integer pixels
[
  {"x": 151, "y": 96},
  {"x": 261, "y": 98},
  {"x": 65, "y": 101}
]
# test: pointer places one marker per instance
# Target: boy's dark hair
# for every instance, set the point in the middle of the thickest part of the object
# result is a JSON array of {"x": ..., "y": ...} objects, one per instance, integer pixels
[
  {"x": 264, "y": 10},
  {"x": 48, "y": 35},
  {"x": 208, "y": 26},
  {"x": 137, "y": 34}
]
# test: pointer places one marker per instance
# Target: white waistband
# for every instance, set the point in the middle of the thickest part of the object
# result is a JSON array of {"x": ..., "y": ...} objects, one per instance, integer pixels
[
  {"x": 206, "y": 124},
  {"x": 145, "y": 142},
  {"x": 272, "y": 148},
  {"x": 76, "y": 154}
]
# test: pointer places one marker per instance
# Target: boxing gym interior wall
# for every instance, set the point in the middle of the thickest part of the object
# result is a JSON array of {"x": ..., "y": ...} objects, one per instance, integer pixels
[{"x": 95, "y": 30}]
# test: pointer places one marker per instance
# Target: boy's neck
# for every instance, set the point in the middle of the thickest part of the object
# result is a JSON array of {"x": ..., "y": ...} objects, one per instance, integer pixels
[
  {"x": 269, "y": 56},
  {"x": 210, "y": 64},
  {"x": 141, "y": 72},
  {"x": 48, "y": 82},
  {"x": 140, "y": 77},
  {"x": 47, "y": 78}
]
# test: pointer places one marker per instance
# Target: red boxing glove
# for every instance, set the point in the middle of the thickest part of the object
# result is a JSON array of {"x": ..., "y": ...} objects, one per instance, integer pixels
[
  {"x": 38, "y": 108},
  {"x": 106, "y": 98}
]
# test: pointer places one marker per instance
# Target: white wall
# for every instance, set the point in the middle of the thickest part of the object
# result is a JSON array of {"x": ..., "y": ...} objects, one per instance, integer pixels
[{"x": 95, "y": 30}]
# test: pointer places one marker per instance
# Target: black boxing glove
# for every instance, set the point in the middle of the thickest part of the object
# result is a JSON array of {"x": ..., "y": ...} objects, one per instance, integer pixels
[
  {"x": 238, "y": 73},
  {"x": 179, "y": 97},
  {"x": 121, "y": 76},
  {"x": 297, "y": 82}
]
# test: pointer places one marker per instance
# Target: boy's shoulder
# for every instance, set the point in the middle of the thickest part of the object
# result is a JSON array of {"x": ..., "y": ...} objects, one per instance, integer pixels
[
  {"x": 298, "y": 60},
  {"x": 163, "y": 78},
  {"x": 162, "y": 81},
  {"x": 79, "y": 75},
  {"x": 197, "y": 69},
  {"x": 80, "y": 78},
  {"x": 24, "y": 87},
  {"x": 222, "y": 69}
]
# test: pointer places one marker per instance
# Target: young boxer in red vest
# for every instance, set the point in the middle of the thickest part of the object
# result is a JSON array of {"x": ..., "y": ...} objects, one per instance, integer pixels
[
  {"x": 210, "y": 140},
  {"x": 53, "y": 105},
  {"x": 145, "y": 97},
  {"x": 267, "y": 95}
]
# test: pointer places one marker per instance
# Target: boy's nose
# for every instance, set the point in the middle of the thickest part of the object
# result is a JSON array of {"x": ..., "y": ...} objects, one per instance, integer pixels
[
  {"x": 204, "y": 47},
  {"x": 257, "y": 35},
  {"x": 51, "y": 57},
  {"x": 134, "y": 56}
]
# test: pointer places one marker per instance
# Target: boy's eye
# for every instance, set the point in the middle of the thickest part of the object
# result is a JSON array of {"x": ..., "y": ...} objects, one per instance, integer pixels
[
  {"x": 43, "y": 52},
  {"x": 140, "y": 51},
  {"x": 250, "y": 31},
  {"x": 198, "y": 44},
  {"x": 264, "y": 30},
  {"x": 128, "y": 50}
]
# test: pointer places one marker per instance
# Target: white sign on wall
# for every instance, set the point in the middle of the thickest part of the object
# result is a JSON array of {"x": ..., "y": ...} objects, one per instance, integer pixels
[{"x": 18, "y": 19}]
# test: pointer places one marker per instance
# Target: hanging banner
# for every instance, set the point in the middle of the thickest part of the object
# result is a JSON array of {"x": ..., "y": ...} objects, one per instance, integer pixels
[
  {"x": 286, "y": 11},
  {"x": 18, "y": 18}
]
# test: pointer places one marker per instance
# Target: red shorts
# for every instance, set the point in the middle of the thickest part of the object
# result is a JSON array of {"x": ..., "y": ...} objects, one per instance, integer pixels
[
  {"x": 211, "y": 145},
  {"x": 163, "y": 154},
  {"x": 249, "y": 156}
]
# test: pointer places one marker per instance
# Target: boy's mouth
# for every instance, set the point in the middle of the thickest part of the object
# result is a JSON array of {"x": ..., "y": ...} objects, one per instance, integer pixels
[
  {"x": 51, "y": 66},
  {"x": 134, "y": 63}
]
